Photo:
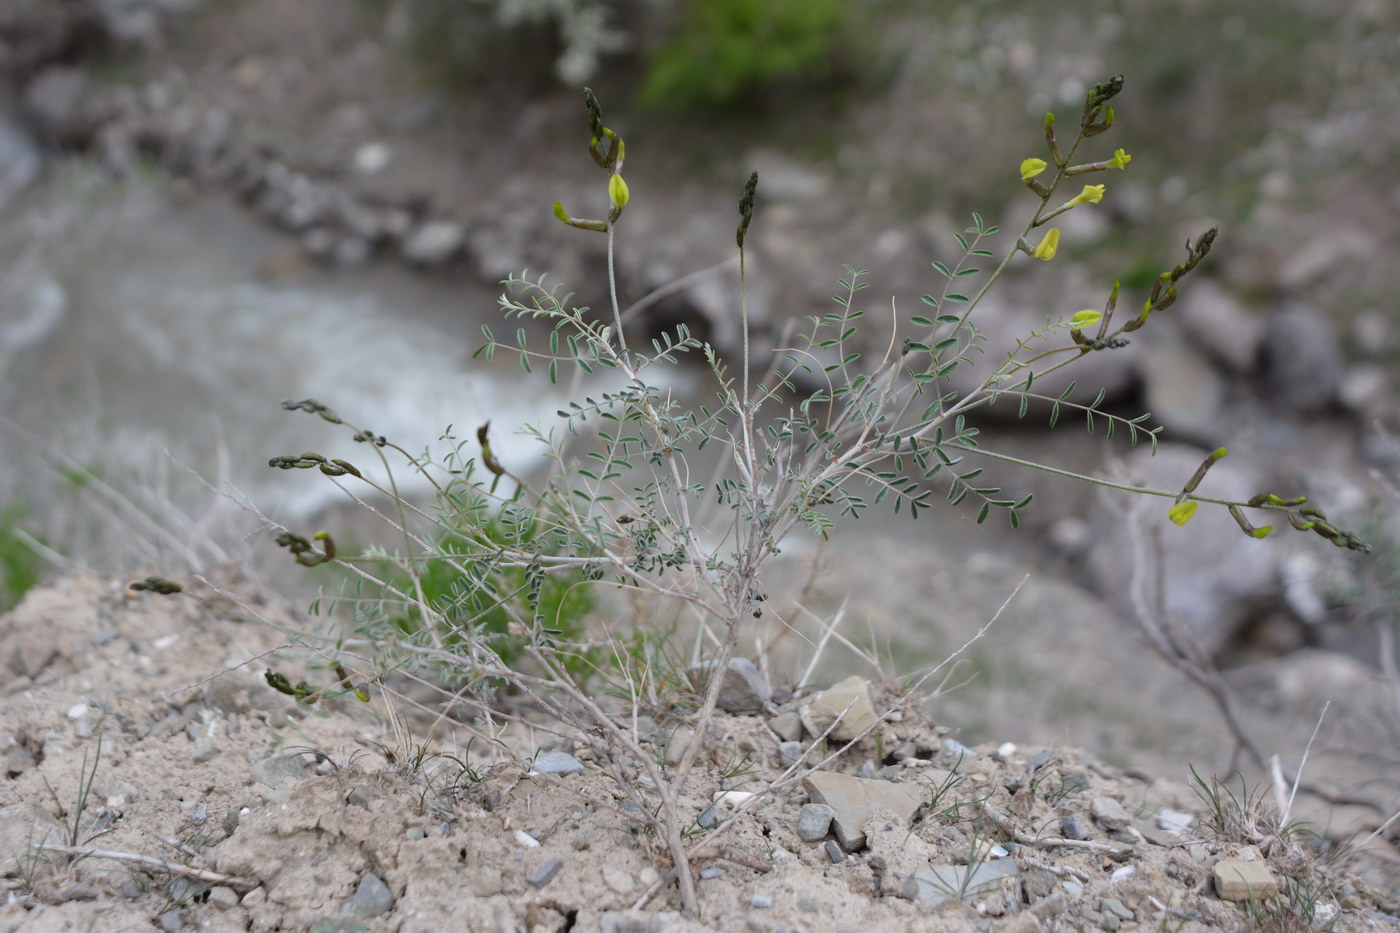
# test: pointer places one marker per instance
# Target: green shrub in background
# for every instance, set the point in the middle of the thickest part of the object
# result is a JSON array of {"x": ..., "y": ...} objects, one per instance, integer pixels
[
  {"x": 19, "y": 566},
  {"x": 726, "y": 51}
]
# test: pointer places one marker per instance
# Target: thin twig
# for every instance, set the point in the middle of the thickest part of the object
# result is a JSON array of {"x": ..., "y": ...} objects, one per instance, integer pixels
[{"x": 146, "y": 861}]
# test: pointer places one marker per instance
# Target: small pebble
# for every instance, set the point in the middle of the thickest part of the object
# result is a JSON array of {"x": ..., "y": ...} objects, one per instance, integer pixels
[
  {"x": 223, "y": 898},
  {"x": 545, "y": 873},
  {"x": 78, "y": 711},
  {"x": 372, "y": 897},
  {"x": 809, "y": 904},
  {"x": 525, "y": 839},
  {"x": 415, "y": 832},
  {"x": 833, "y": 852},
  {"x": 560, "y": 763},
  {"x": 712, "y": 872},
  {"x": 205, "y": 751},
  {"x": 1004, "y": 751},
  {"x": 789, "y": 753},
  {"x": 1073, "y": 888},
  {"x": 172, "y": 921},
  {"x": 1122, "y": 874},
  {"x": 762, "y": 901},
  {"x": 814, "y": 821},
  {"x": 1072, "y": 827}
]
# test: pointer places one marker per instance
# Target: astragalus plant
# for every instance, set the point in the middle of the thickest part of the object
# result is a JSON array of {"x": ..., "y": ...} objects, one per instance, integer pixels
[{"x": 626, "y": 503}]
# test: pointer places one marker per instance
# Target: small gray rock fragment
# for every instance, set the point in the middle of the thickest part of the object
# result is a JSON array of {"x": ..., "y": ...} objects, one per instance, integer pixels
[
  {"x": 1109, "y": 813},
  {"x": 223, "y": 898},
  {"x": 833, "y": 852},
  {"x": 372, "y": 897},
  {"x": 561, "y": 763},
  {"x": 761, "y": 901},
  {"x": 205, "y": 751},
  {"x": 713, "y": 871},
  {"x": 1072, "y": 827},
  {"x": 434, "y": 243},
  {"x": 1050, "y": 906},
  {"x": 359, "y": 797},
  {"x": 814, "y": 821},
  {"x": 787, "y": 726},
  {"x": 279, "y": 770},
  {"x": 545, "y": 873},
  {"x": 743, "y": 691},
  {"x": 789, "y": 753},
  {"x": 76, "y": 892},
  {"x": 172, "y": 921}
]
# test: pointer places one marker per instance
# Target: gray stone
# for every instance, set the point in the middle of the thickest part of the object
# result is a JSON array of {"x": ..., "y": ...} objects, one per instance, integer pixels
[
  {"x": 1072, "y": 827},
  {"x": 833, "y": 852},
  {"x": 279, "y": 770},
  {"x": 434, "y": 242},
  {"x": 1109, "y": 813},
  {"x": 934, "y": 884},
  {"x": 54, "y": 98},
  {"x": 1051, "y": 906},
  {"x": 787, "y": 726},
  {"x": 1230, "y": 573},
  {"x": 676, "y": 741},
  {"x": 561, "y": 763},
  {"x": 814, "y": 821},
  {"x": 545, "y": 873},
  {"x": 205, "y": 751},
  {"x": 372, "y": 897},
  {"x": 1182, "y": 390},
  {"x": 761, "y": 902},
  {"x": 360, "y": 796},
  {"x": 712, "y": 872},
  {"x": 223, "y": 898},
  {"x": 789, "y": 753},
  {"x": 855, "y": 799},
  {"x": 1301, "y": 359},
  {"x": 1116, "y": 907},
  {"x": 1240, "y": 880},
  {"x": 743, "y": 691},
  {"x": 172, "y": 921},
  {"x": 1221, "y": 326},
  {"x": 853, "y": 692},
  {"x": 20, "y": 159},
  {"x": 76, "y": 892}
]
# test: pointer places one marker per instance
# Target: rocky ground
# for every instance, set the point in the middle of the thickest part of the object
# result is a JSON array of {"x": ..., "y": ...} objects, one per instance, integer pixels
[
  {"x": 256, "y": 813},
  {"x": 163, "y": 796}
]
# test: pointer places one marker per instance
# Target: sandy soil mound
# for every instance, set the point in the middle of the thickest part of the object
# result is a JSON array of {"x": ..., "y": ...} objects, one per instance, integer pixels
[{"x": 140, "y": 726}]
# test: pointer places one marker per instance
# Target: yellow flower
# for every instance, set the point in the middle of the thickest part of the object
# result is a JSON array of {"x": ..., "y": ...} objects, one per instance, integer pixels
[
  {"x": 1048, "y": 244},
  {"x": 1120, "y": 159},
  {"x": 617, "y": 191},
  {"x": 1092, "y": 194},
  {"x": 1182, "y": 512},
  {"x": 1031, "y": 168},
  {"x": 1261, "y": 532},
  {"x": 1085, "y": 318}
]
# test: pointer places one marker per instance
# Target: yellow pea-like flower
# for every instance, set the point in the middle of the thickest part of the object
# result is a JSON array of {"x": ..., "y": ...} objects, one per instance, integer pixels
[
  {"x": 1031, "y": 168},
  {"x": 1085, "y": 318},
  {"x": 1120, "y": 159},
  {"x": 1092, "y": 194},
  {"x": 1048, "y": 244}
]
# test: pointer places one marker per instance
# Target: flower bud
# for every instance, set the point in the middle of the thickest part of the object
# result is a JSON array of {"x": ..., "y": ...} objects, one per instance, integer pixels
[
  {"x": 617, "y": 191},
  {"x": 1092, "y": 194},
  {"x": 1084, "y": 318},
  {"x": 1182, "y": 512},
  {"x": 1031, "y": 168}
]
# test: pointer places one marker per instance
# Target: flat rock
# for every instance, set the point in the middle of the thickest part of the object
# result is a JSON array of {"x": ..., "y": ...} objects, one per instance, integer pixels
[
  {"x": 1240, "y": 880},
  {"x": 1109, "y": 813},
  {"x": 279, "y": 770},
  {"x": 434, "y": 242},
  {"x": 560, "y": 763},
  {"x": 853, "y": 692},
  {"x": 934, "y": 884},
  {"x": 855, "y": 799}
]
